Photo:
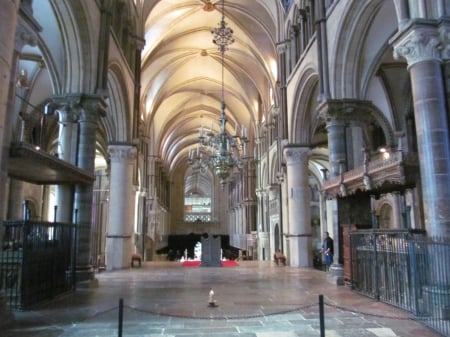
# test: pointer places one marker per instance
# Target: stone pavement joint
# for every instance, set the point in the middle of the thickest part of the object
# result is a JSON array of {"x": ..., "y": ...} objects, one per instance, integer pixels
[{"x": 255, "y": 299}]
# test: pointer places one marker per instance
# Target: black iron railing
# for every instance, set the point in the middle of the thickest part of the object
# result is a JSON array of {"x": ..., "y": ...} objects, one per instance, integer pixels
[
  {"x": 35, "y": 261},
  {"x": 405, "y": 269}
]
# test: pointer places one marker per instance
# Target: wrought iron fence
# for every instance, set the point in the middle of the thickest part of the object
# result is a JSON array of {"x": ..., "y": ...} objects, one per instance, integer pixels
[
  {"x": 35, "y": 261},
  {"x": 406, "y": 269}
]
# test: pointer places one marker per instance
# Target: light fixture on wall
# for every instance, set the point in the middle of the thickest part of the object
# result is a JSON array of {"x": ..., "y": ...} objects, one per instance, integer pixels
[{"x": 222, "y": 152}]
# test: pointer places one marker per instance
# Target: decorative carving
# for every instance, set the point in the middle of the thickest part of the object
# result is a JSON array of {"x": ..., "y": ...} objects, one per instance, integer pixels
[
  {"x": 355, "y": 111},
  {"x": 377, "y": 174},
  {"x": 445, "y": 38},
  {"x": 119, "y": 153},
  {"x": 418, "y": 45},
  {"x": 296, "y": 154}
]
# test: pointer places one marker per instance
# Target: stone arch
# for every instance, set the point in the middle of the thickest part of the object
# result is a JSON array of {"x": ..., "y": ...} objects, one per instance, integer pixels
[
  {"x": 118, "y": 121},
  {"x": 276, "y": 237},
  {"x": 385, "y": 215},
  {"x": 304, "y": 107},
  {"x": 76, "y": 73},
  {"x": 350, "y": 49},
  {"x": 385, "y": 125}
]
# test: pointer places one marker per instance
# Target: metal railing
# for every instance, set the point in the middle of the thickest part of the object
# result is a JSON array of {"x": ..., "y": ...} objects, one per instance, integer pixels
[
  {"x": 35, "y": 261},
  {"x": 405, "y": 269}
]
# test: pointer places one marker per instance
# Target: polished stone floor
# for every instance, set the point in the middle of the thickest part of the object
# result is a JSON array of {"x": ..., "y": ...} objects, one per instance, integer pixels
[{"x": 254, "y": 299}]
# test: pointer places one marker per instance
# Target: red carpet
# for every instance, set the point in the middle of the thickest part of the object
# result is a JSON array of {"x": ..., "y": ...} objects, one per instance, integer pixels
[{"x": 227, "y": 263}]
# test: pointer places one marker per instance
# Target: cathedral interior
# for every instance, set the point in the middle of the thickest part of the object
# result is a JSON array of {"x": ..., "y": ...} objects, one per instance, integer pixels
[{"x": 133, "y": 126}]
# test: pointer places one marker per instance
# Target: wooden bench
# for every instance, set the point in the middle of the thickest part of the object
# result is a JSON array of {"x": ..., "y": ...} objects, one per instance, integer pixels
[
  {"x": 136, "y": 257},
  {"x": 279, "y": 258}
]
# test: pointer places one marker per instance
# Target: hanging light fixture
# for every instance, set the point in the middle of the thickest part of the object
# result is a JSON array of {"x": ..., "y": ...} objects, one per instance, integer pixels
[{"x": 222, "y": 152}]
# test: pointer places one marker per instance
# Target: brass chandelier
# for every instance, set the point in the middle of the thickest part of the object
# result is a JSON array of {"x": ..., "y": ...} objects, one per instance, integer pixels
[{"x": 221, "y": 152}]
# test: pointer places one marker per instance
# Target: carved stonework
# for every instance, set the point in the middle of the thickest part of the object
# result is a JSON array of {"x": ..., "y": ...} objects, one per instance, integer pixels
[
  {"x": 296, "y": 154},
  {"x": 283, "y": 46},
  {"x": 418, "y": 45},
  {"x": 27, "y": 28},
  {"x": 445, "y": 38},
  {"x": 356, "y": 112},
  {"x": 376, "y": 175},
  {"x": 24, "y": 36},
  {"x": 119, "y": 153}
]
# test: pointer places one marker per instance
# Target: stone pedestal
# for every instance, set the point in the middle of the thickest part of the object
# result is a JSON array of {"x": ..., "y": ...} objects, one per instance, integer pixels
[
  {"x": 336, "y": 274},
  {"x": 6, "y": 316},
  {"x": 211, "y": 251}
]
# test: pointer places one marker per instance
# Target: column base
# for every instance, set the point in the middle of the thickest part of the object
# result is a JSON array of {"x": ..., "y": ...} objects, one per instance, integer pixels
[
  {"x": 336, "y": 275},
  {"x": 93, "y": 283},
  {"x": 6, "y": 315},
  {"x": 84, "y": 277}
]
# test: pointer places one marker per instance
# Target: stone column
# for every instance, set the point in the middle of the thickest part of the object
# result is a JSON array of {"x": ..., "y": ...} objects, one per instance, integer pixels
[
  {"x": 249, "y": 195},
  {"x": 398, "y": 210},
  {"x": 91, "y": 108},
  {"x": 336, "y": 146},
  {"x": 120, "y": 238},
  {"x": 299, "y": 194},
  {"x": 15, "y": 199},
  {"x": 67, "y": 152},
  {"x": 8, "y": 23},
  {"x": 260, "y": 214},
  {"x": 259, "y": 218},
  {"x": 420, "y": 46},
  {"x": 15, "y": 31}
]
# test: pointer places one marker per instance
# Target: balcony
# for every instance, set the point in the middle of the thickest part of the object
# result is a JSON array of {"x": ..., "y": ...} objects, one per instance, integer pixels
[
  {"x": 382, "y": 174},
  {"x": 28, "y": 164}
]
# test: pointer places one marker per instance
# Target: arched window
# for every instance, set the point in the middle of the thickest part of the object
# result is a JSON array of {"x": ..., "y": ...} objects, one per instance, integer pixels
[
  {"x": 198, "y": 203},
  {"x": 385, "y": 217}
]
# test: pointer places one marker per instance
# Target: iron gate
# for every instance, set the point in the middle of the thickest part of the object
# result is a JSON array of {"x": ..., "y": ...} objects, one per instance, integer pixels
[
  {"x": 406, "y": 269},
  {"x": 35, "y": 261}
]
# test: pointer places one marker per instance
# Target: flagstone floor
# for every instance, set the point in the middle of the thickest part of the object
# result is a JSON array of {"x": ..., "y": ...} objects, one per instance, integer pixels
[{"x": 254, "y": 299}]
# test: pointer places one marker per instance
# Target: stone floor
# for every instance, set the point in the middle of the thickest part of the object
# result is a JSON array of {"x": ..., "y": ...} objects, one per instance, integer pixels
[{"x": 255, "y": 299}]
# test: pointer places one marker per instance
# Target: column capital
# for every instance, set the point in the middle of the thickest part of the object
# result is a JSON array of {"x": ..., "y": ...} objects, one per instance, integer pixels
[
  {"x": 121, "y": 152},
  {"x": 343, "y": 110},
  {"x": 295, "y": 154},
  {"x": 282, "y": 46},
  {"x": 27, "y": 27},
  {"x": 420, "y": 42},
  {"x": 89, "y": 107},
  {"x": 67, "y": 111},
  {"x": 444, "y": 30}
]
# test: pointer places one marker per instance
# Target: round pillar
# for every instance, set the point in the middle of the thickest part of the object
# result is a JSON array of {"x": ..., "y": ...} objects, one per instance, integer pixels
[
  {"x": 336, "y": 145},
  {"x": 120, "y": 240},
  {"x": 420, "y": 46},
  {"x": 299, "y": 200}
]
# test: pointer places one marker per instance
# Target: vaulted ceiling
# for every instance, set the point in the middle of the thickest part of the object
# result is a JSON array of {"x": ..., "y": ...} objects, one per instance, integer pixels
[{"x": 182, "y": 75}]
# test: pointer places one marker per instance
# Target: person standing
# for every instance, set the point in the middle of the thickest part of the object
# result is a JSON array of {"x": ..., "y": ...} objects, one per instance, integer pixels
[{"x": 327, "y": 250}]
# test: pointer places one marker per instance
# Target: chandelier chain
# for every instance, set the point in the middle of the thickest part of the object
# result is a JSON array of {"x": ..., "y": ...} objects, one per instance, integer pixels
[{"x": 225, "y": 152}]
